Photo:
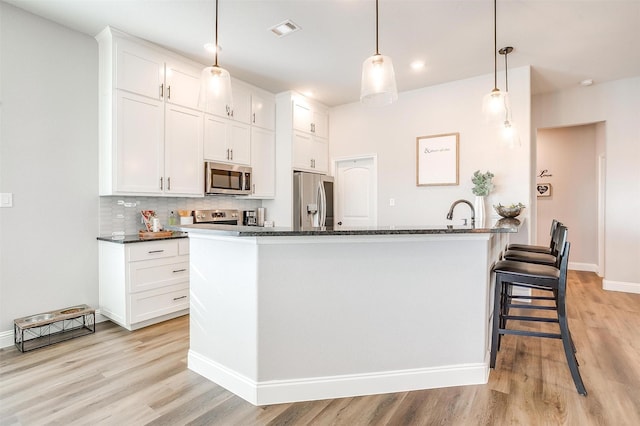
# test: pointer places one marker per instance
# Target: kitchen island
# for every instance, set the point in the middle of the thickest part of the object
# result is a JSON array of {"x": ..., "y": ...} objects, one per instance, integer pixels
[{"x": 280, "y": 315}]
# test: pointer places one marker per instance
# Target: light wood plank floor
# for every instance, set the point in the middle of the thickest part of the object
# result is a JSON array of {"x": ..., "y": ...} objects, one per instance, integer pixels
[{"x": 115, "y": 377}]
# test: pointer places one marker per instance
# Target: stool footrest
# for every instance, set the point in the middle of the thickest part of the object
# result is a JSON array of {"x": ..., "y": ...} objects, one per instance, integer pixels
[
  {"x": 543, "y": 308},
  {"x": 526, "y": 318},
  {"x": 530, "y": 333}
]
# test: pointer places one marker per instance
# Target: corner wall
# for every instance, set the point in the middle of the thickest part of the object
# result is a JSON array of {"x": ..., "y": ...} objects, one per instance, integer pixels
[{"x": 618, "y": 104}]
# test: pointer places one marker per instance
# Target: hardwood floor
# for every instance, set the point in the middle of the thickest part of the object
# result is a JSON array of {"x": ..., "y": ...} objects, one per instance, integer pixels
[{"x": 116, "y": 377}]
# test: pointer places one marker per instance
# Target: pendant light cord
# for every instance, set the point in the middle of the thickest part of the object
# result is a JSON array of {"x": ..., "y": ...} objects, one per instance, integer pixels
[
  {"x": 215, "y": 54},
  {"x": 377, "y": 50},
  {"x": 506, "y": 72},
  {"x": 495, "y": 45}
]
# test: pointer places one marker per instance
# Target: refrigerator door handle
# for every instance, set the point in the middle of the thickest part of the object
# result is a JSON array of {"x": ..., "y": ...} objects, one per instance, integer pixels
[{"x": 323, "y": 204}]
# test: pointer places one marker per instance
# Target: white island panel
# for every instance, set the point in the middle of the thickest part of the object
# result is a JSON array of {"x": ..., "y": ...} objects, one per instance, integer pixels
[{"x": 280, "y": 319}]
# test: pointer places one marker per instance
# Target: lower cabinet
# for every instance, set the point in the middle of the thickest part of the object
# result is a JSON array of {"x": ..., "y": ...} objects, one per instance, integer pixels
[{"x": 143, "y": 283}]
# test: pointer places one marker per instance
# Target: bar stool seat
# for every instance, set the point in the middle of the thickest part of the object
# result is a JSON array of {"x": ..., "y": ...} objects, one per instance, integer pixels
[
  {"x": 510, "y": 274},
  {"x": 530, "y": 257},
  {"x": 538, "y": 249}
]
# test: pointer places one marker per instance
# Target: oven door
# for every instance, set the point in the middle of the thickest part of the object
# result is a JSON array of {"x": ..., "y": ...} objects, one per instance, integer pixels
[{"x": 228, "y": 179}]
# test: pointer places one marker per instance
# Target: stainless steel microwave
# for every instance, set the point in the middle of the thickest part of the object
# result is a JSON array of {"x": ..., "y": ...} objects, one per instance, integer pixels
[{"x": 227, "y": 179}]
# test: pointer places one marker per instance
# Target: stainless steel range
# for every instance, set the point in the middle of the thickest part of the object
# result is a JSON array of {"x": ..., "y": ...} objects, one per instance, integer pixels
[{"x": 217, "y": 217}]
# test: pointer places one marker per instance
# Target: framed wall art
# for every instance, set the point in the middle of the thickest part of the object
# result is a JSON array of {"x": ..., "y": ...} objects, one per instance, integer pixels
[
  {"x": 437, "y": 159},
  {"x": 543, "y": 189}
]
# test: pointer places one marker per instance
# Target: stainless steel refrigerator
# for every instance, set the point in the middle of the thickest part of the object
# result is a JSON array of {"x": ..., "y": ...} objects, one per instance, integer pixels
[{"x": 312, "y": 201}]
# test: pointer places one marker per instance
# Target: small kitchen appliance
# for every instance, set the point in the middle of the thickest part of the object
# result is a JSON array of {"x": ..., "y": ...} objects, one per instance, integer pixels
[{"x": 249, "y": 218}]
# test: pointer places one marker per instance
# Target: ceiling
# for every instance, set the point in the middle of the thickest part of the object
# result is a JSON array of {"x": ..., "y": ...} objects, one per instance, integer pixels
[{"x": 564, "y": 41}]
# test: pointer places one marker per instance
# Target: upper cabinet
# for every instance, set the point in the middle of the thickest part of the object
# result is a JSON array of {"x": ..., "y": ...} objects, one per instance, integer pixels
[
  {"x": 310, "y": 118},
  {"x": 150, "y": 130},
  {"x": 239, "y": 109},
  {"x": 263, "y": 110}
]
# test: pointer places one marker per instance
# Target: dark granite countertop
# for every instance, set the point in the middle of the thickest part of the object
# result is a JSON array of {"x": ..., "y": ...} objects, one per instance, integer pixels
[
  {"x": 254, "y": 231},
  {"x": 134, "y": 238}
]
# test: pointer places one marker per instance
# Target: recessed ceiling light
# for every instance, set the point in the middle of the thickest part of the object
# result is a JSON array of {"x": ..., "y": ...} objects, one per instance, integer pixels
[
  {"x": 417, "y": 65},
  {"x": 308, "y": 93},
  {"x": 284, "y": 28},
  {"x": 586, "y": 82},
  {"x": 211, "y": 47}
]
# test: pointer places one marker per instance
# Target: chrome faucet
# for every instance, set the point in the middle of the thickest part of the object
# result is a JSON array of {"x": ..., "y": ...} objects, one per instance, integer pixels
[{"x": 473, "y": 211}]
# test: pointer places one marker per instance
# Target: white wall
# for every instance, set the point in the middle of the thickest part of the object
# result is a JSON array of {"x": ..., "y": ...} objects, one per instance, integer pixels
[
  {"x": 618, "y": 104},
  {"x": 390, "y": 132},
  {"x": 570, "y": 157},
  {"x": 48, "y": 160}
]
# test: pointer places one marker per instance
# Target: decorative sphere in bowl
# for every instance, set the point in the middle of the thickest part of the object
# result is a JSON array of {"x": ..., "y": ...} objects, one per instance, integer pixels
[{"x": 509, "y": 211}]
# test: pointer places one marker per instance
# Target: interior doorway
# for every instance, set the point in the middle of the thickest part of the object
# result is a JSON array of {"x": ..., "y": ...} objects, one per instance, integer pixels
[
  {"x": 356, "y": 183},
  {"x": 569, "y": 186}
]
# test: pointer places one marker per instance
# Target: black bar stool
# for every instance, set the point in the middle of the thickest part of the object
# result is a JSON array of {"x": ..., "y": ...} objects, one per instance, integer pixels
[
  {"x": 537, "y": 257},
  {"x": 538, "y": 249},
  {"x": 509, "y": 274}
]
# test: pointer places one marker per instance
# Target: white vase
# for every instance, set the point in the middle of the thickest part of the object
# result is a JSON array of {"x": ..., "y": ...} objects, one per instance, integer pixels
[{"x": 480, "y": 211}]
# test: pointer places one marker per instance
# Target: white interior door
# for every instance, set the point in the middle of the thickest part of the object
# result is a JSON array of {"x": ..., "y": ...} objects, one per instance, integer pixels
[{"x": 356, "y": 192}]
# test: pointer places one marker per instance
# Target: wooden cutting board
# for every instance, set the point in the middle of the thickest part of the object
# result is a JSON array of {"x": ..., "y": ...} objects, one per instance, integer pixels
[{"x": 160, "y": 234}]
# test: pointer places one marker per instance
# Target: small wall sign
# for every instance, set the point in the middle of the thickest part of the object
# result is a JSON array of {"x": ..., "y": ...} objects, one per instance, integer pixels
[{"x": 543, "y": 189}]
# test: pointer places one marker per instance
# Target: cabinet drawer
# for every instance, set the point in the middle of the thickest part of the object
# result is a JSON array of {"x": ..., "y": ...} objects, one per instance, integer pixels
[
  {"x": 152, "y": 274},
  {"x": 155, "y": 303},
  {"x": 152, "y": 250}
]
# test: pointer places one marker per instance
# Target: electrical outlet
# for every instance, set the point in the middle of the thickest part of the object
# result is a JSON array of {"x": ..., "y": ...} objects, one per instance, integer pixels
[{"x": 392, "y": 202}]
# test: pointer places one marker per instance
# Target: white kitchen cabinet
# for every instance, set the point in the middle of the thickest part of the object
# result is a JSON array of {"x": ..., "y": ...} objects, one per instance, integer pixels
[
  {"x": 147, "y": 106},
  {"x": 263, "y": 110},
  {"x": 310, "y": 118},
  {"x": 226, "y": 140},
  {"x": 143, "y": 283},
  {"x": 310, "y": 153},
  {"x": 239, "y": 110},
  {"x": 263, "y": 163}
]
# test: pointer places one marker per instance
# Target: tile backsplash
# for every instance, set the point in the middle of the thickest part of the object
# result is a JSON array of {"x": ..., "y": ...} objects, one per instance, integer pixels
[{"x": 122, "y": 214}]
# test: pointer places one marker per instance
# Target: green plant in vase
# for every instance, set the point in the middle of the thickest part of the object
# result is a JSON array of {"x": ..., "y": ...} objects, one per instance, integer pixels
[{"x": 482, "y": 186}]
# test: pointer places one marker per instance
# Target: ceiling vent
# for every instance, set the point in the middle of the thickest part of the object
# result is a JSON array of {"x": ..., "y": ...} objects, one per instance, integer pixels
[{"x": 284, "y": 28}]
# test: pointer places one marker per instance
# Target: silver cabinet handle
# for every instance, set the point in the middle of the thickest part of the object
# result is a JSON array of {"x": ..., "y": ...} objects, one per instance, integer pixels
[
  {"x": 228, "y": 108},
  {"x": 231, "y": 150},
  {"x": 155, "y": 251},
  {"x": 178, "y": 298},
  {"x": 253, "y": 191},
  {"x": 231, "y": 113},
  {"x": 161, "y": 184},
  {"x": 179, "y": 270},
  {"x": 169, "y": 183},
  {"x": 168, "y": 92},
  {"x": 161, "y": 90},
  {"x": 254, "y": 118}
]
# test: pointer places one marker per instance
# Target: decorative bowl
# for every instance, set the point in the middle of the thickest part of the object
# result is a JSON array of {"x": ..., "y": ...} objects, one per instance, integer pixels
[{"x": 509, "y": 211}]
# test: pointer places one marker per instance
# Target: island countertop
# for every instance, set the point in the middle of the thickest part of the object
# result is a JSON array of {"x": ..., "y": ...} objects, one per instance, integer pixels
[{"x": 500, "y": 226}]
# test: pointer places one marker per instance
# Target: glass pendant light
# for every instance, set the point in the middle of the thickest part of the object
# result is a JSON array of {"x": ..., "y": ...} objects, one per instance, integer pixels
[
  {"x": 378, "y": 78},
  {"x": 215, "y": 82},
  {"x": 495, "y": 102},
  {"x": 509, "y": 132}
]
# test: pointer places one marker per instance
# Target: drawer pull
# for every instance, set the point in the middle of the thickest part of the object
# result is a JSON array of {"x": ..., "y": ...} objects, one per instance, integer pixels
[
  {"x": 179, "y": 270},
  {"x": 155, "y": 251},
  {"x": 178, "y": 298}
]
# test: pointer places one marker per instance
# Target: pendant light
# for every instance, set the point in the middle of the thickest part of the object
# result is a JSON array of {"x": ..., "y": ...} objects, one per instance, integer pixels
[
  {"x": 378, "y": 79},
  {"x": 493, "y": 103},
  {"x": 509, "y": 131},
  {"x": 215, "y": 82}
]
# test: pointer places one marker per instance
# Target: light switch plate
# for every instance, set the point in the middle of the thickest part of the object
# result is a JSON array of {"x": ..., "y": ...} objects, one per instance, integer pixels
[{"x": 6, "y": 199}]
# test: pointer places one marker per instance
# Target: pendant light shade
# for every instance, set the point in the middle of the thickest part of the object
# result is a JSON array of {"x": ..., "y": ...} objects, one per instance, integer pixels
[
  {"x": 378, "y": 78},
  {"x": 494, "y": 103},
  {"x": 215, "y": 82}
]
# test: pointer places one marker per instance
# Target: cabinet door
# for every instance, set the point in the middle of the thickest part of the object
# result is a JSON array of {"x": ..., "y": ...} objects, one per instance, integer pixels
[
  {"x": 184, "y": 170},
  {"x": 239, "y": 143},
  {"x": 215, "y": 138},
  {"x": 138, "y": 69},
  {"x": 320, "y": 123},
  {"x": 302, "y": 151},
  {"x": 320, "y": 155},
  {"x": 263, "y": 111},
  {"x": 241, "y": 109},
  {"x": 263, "y": 163},
  {"x": 301, "y": 116},
  {"x": 139, "y": 148},
  {"x": 182, "y": 84}
]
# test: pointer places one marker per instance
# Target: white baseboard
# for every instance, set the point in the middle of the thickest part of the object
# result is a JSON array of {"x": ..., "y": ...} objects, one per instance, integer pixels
[
  {"x": 316, "y": 388},
  {"x": 587, "y": 267},
  {"x": 7, "y": 339},
  {"x": 621, "y": 286}
]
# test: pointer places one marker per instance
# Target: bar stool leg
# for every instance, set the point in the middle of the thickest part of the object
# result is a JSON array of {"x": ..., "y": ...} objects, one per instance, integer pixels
[{"x": 497, "y": 311}]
